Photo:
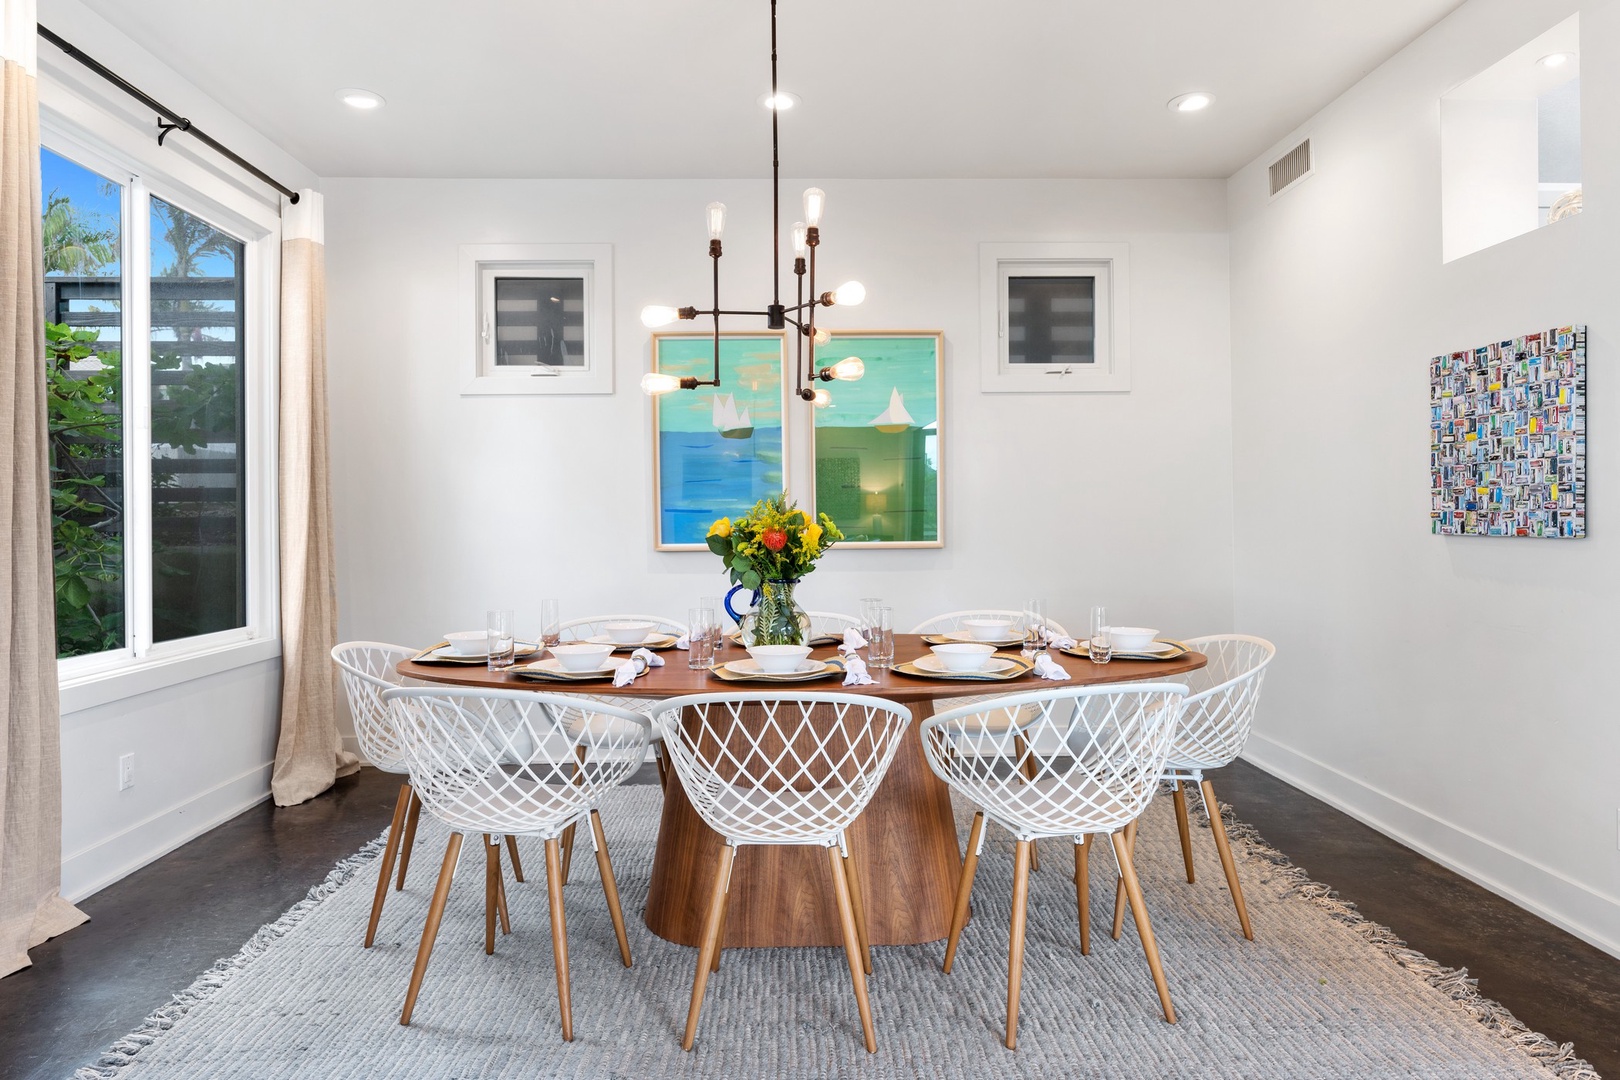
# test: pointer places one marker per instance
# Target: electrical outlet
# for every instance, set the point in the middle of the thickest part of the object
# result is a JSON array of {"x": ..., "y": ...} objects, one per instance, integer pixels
[{"x": 126, "y": 772}]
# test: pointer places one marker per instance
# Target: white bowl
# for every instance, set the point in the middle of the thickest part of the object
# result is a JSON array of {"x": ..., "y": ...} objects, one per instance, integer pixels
[
  {"x": 1130, "y": 638},
  {"x": 779, "y": 659},
  {"x": 988, "y": 629},
  {"x": 469, "y": 642},
  {"x": 963, "y": 656},
  {"x": 582, "y": 657},
  {"x": 627, "y": 633}
]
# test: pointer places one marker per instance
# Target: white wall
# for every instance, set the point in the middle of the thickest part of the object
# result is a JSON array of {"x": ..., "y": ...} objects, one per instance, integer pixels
[
  {"x": 1450, "y": 691},
  {"x": 202, "y": 747},
  {"x": 1124, "y": 499}
]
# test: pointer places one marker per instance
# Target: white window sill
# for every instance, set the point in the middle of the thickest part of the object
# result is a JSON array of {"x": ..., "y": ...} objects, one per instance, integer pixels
[{"x": 86, "y": 691}]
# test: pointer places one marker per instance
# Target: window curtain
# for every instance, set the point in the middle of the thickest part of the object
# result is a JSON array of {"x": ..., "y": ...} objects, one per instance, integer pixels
[
  {"x": 309, "y": 753},
  {"x": 31, "y": 907}
]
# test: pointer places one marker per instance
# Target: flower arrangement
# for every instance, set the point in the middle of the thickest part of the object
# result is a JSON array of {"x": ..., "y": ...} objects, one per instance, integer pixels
[{"x": 776, "y": 541}]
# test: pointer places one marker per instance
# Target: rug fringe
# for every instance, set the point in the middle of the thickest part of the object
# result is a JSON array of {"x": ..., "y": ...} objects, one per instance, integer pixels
[
  {"x": 1455, "y": 983},
  {"x": 122, "y": 1053}
]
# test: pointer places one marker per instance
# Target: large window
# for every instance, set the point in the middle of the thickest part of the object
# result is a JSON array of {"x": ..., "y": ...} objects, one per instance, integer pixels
[{"x": 152, "y": 394}]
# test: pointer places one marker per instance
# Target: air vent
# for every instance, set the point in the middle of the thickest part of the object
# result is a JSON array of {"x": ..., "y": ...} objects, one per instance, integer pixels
[{"x": 1291, "y": 168}]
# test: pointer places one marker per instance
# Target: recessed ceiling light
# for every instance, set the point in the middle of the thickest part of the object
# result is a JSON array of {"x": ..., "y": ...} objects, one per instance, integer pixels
[
  {"x": 1556, "y": 60},
  {"x": 782, "y": 102},
  {"x": 356, "y": 98},
  {"x": 1196, "y": 101}
]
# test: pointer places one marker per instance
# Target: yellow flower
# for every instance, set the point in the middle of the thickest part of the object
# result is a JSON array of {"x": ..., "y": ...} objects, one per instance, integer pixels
[
  {"x": 721, "y": 528},
  {"x": 812, "y": 537}
]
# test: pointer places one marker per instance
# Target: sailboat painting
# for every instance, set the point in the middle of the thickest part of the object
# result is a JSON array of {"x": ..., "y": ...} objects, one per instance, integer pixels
[
  {"x": 878, "y": 458},
  {"x": 716, "y": 450}
]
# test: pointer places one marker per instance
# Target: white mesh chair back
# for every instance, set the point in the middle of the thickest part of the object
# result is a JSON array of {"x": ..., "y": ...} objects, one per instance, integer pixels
[
  {"x": 1113, "y": 744},
  {"x": 368, "y": 670},
  {"x": 952, "y": 621},
  {"x": 763, "y": 768},
  {"x": 1220, "y": 711},
  {"x": 514, "y": 761},
  {"x": 832, "y": 623},
  {"x": 593, "y": 625}
]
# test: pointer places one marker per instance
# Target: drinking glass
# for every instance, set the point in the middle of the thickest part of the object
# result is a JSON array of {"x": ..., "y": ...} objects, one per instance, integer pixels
[
  {"x": 700, "y": 638},
  {"x": 1034, "y": 628},
  {"x": 550, "y": 622},
  {"x": 502, "y": 644},
  {"x": 1099, "y": 645},
  {"x": 880, "y": 639},
  {"x": 715, "y": 623},
  {"x": 871, "y": 611}
]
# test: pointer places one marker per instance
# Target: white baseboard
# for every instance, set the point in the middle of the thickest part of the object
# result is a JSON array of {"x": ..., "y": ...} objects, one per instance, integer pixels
[
  {"x": 91, "y": 869},
  {"x": 1541, "y": 890}
]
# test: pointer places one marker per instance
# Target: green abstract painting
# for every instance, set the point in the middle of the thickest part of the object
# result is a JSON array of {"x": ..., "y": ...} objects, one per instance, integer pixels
[
  {"x": 716, "y": 452},
  {"x": 878, "y": 453}
]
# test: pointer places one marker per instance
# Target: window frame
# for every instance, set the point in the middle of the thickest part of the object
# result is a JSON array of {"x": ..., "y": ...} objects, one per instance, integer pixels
[
  {"x": 106, "y": 144},
  {"x": 1108, "y": 265},
  {"x": 481, "y": 264}
]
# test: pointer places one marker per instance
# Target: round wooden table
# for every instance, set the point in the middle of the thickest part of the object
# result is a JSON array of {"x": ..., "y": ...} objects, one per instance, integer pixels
[{"x": 905, "y": 841}]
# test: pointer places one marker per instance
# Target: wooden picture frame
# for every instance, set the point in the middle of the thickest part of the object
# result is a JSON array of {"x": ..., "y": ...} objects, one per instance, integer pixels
[
  {"x": 716, "y": 451},
  {"x": 878, "y": 446}
]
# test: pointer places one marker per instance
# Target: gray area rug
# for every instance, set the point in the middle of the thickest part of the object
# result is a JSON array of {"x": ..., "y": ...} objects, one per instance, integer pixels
[{"x": 1321, "y": 992}]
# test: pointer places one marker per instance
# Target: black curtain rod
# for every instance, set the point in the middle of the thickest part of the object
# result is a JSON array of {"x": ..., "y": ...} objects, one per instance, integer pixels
[{"x": 168, "y": 119}]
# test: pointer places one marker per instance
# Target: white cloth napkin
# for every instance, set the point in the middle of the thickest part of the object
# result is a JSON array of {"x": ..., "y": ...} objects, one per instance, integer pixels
[
  {"x": 652, "y": 658},
  {"x": 1059, "y": 642},
  {"x": 683, "y": 642},
  {"x": 639, "y": 661},
  {"x": 852, "y": 641},
  {"x": 855, "y": 673},
  {"x": 1047, "y": 668}
]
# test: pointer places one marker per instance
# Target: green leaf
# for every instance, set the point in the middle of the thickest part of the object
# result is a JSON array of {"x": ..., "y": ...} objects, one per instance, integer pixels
[
  {"x": 720, "y": 545},
  {"x": 750, "y": 579},
  {"x": 74, "y": 591}
]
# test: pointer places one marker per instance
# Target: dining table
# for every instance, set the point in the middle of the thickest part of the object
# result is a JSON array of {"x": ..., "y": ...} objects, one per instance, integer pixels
[{"x": 904, "y": 843}]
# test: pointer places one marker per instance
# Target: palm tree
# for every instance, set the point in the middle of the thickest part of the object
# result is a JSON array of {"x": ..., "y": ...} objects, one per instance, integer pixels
[{"x": 76, "y": 242}]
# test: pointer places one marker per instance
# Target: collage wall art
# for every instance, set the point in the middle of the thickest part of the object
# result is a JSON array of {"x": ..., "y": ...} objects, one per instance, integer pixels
[{"x": 1508, "y": 437}]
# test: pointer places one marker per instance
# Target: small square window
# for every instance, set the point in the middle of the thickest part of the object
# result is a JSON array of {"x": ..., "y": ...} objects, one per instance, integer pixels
[
  {"x": 1054, "y": 318},
  {"x": 539, "y": 322},
  {"x": 537, "y": 318}
]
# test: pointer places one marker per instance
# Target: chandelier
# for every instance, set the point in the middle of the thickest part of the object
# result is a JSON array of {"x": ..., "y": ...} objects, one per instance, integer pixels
[{"x": 802, "y": 315}]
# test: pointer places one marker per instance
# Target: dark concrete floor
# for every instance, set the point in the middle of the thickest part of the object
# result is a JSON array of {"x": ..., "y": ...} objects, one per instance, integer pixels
[{"x": 153, "y": 932}]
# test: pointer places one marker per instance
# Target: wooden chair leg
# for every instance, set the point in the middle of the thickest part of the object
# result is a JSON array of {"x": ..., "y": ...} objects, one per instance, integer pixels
[
  {"x": 852, "y": 947},
  {"x": 567, "y": 853},
  {"x": 1218, "y": 827},
  {"x": 390, "y": 852},
  {"x": 1184, "y": 827},
  {"x": 517, "y": 863},
  {"x": 1015, "y": 944},
  {"x": 964, "y": 889},
  {"x": 411, "y": 817},
  {"x": 610, "y": 887},
  {"x": 500, "y": 896},
  {"x": 720, "y": 934},
  {"x": 1082, "y": 891},
  {"x": 492, "y": 870},
  {"x": 1031, "y": 771},
  {"x": 859, "y": 907},
  {"x": 1144, "y": 926},
  {"x": 711, "y": 941},
  {"x": 430, "y": 929},
  {"x": 1129, "y": 835},
  {"x": 559, "y": 936},
  {"x": 663, "y": 766}
]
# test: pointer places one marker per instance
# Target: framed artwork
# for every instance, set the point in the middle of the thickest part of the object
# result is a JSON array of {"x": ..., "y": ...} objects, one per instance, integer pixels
[
  {"x": 716, "y": 451},
  {"x": 1507, "y": 426},
  {"x": 879, "y": 449}
]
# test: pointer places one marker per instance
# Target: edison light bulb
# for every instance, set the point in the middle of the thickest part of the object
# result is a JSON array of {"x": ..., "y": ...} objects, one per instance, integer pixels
[
  {"x": 849, "y": 293},
  {"x": 717, "y": 219},
  {"x": 849, "y": 368},
  {"x": 656, "y": 382},
  {"x": 798, "y": 239},
  {"x": 815, "y": 201},
  {"x": 656, "y": 315},
  {"x": 822, "y": 399},
  {"x": 822, "y": 335}
]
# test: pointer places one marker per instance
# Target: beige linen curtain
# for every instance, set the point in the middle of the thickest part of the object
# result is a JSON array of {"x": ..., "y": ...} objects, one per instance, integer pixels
[
  {"x": 31, "y": 909},
  {"x": 309, "y": 753}
]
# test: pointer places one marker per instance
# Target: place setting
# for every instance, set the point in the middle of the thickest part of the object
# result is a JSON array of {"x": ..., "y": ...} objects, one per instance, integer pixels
[
  {"x": 1106, "y": 643},
  {"x": 632, "y": 634},
  {"x": 496, "y": 646}
]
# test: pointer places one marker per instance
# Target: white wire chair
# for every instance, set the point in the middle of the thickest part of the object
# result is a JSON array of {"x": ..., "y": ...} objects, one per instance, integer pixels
[
  {"x": 1211, "y": 735},
  {"x": 832, "y": 623},
  {"x": 1114, "y": 740},
  {"x": 505, "y": 762},
  {"x": 593, "y": 625},
  {"x": 368, "y": 669},
  {"x": 782, "y": 768}
]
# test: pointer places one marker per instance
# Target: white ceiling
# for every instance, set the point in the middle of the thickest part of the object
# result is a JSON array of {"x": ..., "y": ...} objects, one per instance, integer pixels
[{"x": 670, "y": 88}]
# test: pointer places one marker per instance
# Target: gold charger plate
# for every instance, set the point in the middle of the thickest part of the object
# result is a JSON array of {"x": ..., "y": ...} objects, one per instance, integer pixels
[
  {"x": 553, "y": 671},
  {"x": 968, "y": 639},
  {"x": 524, "y": 648},
  {"x": 726, "y": 673},
  {"x": 1177, "y": 652},
  {"x": 1018, "y": 666},
  {"x": 657, "y": 642}
]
